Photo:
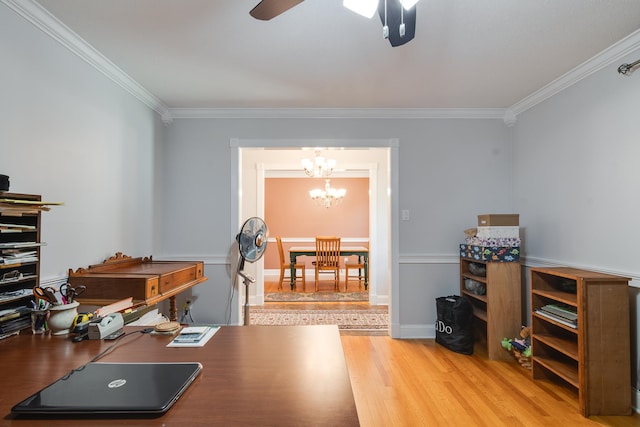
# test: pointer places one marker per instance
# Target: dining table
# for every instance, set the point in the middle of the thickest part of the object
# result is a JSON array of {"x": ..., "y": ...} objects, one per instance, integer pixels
[{"x": 361, "y": 251}]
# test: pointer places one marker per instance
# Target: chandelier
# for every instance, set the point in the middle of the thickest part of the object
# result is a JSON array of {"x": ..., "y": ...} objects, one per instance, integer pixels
[
  {"x": 329, "y": 196},
  {"x": 318, "y": 167}
]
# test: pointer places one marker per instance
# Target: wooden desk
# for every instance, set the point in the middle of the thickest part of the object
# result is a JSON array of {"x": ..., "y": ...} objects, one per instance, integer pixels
[
  {"x": 361, "y": 251},
  {"x": 144, "y": 279},
  {"x": 252, "y": 375}
]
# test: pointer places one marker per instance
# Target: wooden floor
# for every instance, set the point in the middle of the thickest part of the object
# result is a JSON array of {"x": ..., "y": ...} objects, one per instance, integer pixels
[
  {"x": 416, "y": 382},
  {"x": 420, "y": 383}
]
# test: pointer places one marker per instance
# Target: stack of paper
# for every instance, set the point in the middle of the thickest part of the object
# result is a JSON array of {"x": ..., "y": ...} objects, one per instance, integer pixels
[
  {"x": 563, "y": 314},
  {"x": 114, "y": 307},
  {"x": 14, "y": 295},
  {"x": 18, "y": 257},
  {"x": 562, "y": 310},
  {"x": 14, "y": 245},
  {"x": 15, "y": 228},
  {"x": 150, "y": 318}
]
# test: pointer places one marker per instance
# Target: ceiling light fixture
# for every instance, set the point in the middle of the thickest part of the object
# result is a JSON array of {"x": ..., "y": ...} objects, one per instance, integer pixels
[
  {"x": 408, "y": 4},
  {"x": 318, "y": 167},
  {"x": 399, "y": 26},
  {"x": 398, "y": 17},
  {"x": 329, "y": 196},
  {"x": 366, "y": 8}
]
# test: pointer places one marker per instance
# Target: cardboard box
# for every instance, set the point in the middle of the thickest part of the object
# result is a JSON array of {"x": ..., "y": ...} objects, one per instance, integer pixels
[
  {"x": 490, "y": 253},
  {"x": 499, "y": 219}
]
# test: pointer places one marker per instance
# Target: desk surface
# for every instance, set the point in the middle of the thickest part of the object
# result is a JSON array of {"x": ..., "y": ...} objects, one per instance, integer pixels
[{"x": 252, "y": 375}]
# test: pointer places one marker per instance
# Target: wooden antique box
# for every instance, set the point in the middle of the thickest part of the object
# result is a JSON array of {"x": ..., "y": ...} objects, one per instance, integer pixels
[{"x": 145, "y": 280}]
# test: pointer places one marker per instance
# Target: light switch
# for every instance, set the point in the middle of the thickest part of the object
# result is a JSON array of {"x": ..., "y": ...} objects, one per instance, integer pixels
[{"x": 405, "y": 215}]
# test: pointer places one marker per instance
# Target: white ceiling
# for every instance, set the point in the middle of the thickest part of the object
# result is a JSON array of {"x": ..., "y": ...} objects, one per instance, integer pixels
[{"x": 466, "y": 53}]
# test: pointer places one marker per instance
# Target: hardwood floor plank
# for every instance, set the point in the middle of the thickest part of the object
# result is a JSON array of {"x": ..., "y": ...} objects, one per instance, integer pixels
[{"x": 420, "y": 383}]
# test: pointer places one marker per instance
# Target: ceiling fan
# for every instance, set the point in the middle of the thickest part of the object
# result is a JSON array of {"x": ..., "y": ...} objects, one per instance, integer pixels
[{"x": 398, "y": 16}]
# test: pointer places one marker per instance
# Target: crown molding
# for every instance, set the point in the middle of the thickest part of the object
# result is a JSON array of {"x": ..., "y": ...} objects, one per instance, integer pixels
[
  {"x": 37, "y": 15},
  {"x": 337, "y": 113},
  {"x": 603, "y": 59}
]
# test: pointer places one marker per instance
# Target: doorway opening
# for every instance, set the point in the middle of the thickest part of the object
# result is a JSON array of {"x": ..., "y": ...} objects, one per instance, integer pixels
[{"x": 254, "y": 160}]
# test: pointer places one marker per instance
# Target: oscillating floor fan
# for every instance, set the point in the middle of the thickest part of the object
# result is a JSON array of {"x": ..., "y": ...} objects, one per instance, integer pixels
[{"x": 252, "y": 242}]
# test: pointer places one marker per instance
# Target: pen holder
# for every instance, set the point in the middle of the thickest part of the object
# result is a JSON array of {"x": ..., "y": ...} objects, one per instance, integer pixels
[
  {"x": 39, "y": 321},
  {"x": 61, "y": 317}
]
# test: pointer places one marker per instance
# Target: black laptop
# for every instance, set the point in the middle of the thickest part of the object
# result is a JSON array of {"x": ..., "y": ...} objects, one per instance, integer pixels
[{"x": 113, "y": 388}]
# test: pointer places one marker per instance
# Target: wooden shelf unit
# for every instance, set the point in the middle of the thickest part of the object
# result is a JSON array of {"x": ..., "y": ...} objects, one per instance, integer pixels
[
  {"x": 15, "y": 238},
  {"x": 594, "y": 357},
  {"x": 498, "y": 313}
]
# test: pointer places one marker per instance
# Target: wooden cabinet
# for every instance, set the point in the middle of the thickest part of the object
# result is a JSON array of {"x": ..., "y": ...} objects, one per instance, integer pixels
[
  {"x": 591, "y": 354},
  {"x": 497, "y": 312},
  {"x": 20, "y": 252}
]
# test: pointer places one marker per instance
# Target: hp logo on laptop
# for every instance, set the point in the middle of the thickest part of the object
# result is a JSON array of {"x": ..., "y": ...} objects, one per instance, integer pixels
[{"x": 117, "y": 383}]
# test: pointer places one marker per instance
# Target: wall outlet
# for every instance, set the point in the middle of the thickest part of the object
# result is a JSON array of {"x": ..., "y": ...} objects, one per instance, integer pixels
[{"x": 405, "y": 215}]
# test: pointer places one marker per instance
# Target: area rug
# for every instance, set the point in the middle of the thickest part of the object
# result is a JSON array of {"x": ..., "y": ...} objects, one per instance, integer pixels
[
  {"x": 370, "y": 319},
  {"x": 315, "y": 296}
]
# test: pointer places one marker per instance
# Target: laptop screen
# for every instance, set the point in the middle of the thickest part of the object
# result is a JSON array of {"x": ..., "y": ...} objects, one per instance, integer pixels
[{"x": 113, "y": 388}]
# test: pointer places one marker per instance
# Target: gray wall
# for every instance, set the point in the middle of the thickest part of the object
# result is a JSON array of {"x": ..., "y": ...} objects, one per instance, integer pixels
[
  {"x": 72, "y": 135},
  {"x": 450, "y": 170},
  {"x": 577, "y": 180}
]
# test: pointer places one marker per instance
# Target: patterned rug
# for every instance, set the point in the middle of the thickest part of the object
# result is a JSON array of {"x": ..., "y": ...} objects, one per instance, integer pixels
[
  {"x": 315, "y": 296},
  {"x": 371, "y": 319}
]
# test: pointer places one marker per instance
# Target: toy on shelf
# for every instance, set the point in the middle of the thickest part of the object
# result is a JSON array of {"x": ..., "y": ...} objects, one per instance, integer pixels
[{"x": 520, "y": 347}]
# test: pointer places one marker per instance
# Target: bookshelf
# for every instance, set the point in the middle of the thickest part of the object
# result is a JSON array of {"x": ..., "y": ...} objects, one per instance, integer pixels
[
  {"x": 592, "y": 356},
  {"x": 498, "y": 312},
  {"x": 20, "y": 252}
]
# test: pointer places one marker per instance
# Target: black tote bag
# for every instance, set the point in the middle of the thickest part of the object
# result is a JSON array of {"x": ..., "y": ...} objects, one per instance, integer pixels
[{"x": 454, "y": 326}]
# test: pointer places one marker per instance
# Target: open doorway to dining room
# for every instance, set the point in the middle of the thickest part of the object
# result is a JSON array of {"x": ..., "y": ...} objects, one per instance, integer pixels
[
  {"x": 295, "y": 218},
  {"x": 259, "y": 161}
]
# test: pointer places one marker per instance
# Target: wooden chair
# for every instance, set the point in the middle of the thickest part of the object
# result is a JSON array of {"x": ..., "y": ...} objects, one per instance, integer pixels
[
  {"x": 352, "y": 265},
  {"x": 328, "y": 258},
  {"x": 286, "y": 266}
]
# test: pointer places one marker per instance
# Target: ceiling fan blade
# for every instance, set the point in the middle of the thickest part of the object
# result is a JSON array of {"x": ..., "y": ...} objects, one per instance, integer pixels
[
  {"x": 394, "y": 8},
  {"x": 268, "y": 9}
]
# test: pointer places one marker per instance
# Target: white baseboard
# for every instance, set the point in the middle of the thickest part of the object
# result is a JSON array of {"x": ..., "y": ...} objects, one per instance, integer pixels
[{"x": 417, "y": 331}]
